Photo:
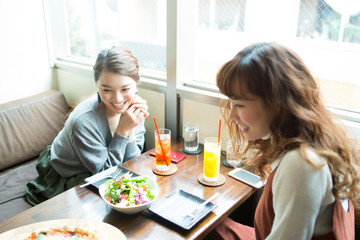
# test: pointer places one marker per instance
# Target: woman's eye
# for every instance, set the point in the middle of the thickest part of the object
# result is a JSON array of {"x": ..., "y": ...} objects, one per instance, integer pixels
[
  {"x": 107, "y": 90},
  {"x": 126, "y": 89},
  {"x": 239, "y": 106}
]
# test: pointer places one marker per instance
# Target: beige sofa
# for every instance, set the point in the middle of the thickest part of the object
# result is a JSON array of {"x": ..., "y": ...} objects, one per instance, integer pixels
[{"x": 27, "y": 126}]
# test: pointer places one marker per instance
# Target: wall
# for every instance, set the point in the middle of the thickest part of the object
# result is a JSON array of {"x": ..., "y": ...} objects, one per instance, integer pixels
[
  {"x": 24, "y": 65},
  {"x": 208, "y": 119},
  {"x": 156, "y": 102},
  {"x": 76, "y": 87}
]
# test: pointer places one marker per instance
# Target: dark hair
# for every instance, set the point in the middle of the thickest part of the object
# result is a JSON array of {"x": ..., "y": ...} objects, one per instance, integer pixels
[
  {"x": 118, "y": 60},
  {"x": 280, "y": 78}
]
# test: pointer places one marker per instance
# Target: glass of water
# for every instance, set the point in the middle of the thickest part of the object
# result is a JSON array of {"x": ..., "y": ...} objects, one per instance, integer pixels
[
  {"x": 232, "y": 159},
  {"x": 191, "y": 137}
]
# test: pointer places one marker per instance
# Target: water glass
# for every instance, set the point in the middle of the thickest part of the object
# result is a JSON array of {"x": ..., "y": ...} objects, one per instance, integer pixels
[
  {"x": 163, "y": 159},
  {"x": 212, "y": 153},
  {"x": 231, "y": 157},
  {"x": 191, "y": 136}
]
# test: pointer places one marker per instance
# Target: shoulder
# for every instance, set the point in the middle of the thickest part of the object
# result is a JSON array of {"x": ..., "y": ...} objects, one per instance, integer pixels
[
  {"x": 294, "y": 168},
  {"x": 295, "y": 160},
  {"x": 85, "y": 113},
  {"x": 296, "y": 179}
]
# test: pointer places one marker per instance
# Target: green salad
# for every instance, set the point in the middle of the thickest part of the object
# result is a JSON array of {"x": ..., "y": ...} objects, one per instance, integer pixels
[{"x": 127, "y": 191}]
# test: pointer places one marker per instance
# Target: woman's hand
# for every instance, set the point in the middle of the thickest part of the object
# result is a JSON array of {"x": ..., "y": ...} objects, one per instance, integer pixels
[{"x": 133, "y": 116}]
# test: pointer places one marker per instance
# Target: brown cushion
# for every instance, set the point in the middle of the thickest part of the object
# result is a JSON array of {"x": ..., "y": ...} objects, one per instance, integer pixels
[
  {"x": 10, "y": 209},
  {"x": 28, "y": 125},
  {"x": 13, "y": 182},
  {"x": 12, "y": 189}
]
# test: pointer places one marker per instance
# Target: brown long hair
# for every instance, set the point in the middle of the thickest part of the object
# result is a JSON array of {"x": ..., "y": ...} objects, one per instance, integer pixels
[{"x": 281, "y": 79}]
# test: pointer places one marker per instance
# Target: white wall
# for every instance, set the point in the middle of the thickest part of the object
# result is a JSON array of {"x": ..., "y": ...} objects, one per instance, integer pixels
[
  {"x": 156, "y": 102},
  {"x": 75, "y": 87},
  {"x": 24, "y": 65},
  {"x": 207, "y": 116}
]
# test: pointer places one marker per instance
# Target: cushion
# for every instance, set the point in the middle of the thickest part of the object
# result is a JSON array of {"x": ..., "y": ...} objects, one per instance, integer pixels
[
  {"x": 28, "y": 125},
  {"x": 12, "y": 190}
]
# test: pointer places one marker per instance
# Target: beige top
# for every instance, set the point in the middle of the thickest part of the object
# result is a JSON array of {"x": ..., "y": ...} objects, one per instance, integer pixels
[{"x": 302, "y": 198}]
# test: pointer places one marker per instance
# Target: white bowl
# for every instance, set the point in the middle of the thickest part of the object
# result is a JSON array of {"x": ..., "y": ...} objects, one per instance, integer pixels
[{"x": 132, "y": 209}]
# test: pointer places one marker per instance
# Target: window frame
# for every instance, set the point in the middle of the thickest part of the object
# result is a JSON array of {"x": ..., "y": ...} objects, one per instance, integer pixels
[{"x": 175, "y": 85}]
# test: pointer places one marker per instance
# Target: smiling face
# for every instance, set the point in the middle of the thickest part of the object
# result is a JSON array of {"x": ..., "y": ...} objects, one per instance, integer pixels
[
  {"x": 116, "y": 91},
  {"x": 252, "y": 116}
]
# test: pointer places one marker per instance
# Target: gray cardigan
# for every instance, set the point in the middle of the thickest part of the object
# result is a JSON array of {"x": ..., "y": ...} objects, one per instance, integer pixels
[{"x": 86, "y": 144}]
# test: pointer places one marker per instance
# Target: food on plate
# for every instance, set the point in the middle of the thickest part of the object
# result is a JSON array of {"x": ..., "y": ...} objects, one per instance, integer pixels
[
  {"x": 66, "y": 228},
  {"x": 61, "y": 234},
  {"x": 127, "y": 191}
]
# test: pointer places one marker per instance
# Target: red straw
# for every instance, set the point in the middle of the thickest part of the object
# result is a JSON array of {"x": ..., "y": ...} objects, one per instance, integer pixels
[
  {"x": 219, "y": 131},
  {"x": 162, "y": 149}
]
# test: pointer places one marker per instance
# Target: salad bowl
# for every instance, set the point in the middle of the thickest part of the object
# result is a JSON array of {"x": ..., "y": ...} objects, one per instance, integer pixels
[{"x": 142, "y": 202}]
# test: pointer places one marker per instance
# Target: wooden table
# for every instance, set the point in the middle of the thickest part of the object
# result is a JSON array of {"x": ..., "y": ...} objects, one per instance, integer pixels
[{"x": 86, "y": 202}]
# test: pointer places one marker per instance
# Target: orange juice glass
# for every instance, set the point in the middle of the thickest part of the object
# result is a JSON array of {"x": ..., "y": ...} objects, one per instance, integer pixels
[
  {"x": 163, "y": 164},
  {"x": 212, "y": 150}
]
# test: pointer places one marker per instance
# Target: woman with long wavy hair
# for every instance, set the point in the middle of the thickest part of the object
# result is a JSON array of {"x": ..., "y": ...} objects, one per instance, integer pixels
[{"x": 312, "y": 167}]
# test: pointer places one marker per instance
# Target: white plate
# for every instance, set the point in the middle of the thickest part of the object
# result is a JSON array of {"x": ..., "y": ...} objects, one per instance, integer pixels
[
  {"x": 101, "y": 229},
  {"x": 132, "y": 209}
]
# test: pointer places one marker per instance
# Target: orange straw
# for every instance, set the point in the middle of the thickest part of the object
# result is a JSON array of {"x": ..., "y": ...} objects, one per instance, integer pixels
[
  {"x": 162, "y": 149},
  {"x": 219, "y": 131}
]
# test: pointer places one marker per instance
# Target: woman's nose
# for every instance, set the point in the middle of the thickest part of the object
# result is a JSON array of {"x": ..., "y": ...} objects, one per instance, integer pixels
[
  {"x": 118, "y": 97},
  {"x": 233, "y": 115}
]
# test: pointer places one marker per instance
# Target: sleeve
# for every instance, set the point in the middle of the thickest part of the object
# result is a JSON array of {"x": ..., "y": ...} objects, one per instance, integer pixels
[
  {"x": 135, "y": 148},
  {"x": 298, "y": 191},
  {"x": 91, "y": 148}
]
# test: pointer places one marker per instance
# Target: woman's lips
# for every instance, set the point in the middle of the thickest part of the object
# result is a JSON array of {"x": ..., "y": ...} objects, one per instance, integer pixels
[
  {"x": 119, "y": 106},
  {"x": 244, "y": 129}
]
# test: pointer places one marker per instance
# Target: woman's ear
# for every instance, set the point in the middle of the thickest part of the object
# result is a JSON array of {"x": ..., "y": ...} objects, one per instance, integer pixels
[{"x": 136, "y": 92}]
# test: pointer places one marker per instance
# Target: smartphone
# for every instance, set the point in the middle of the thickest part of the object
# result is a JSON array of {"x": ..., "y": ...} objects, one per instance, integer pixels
[{"x": 247, "y": 177}]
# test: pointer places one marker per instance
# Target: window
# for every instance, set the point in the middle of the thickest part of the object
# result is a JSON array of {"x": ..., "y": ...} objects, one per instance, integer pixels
[
  {"x": 335, "y": 25},
  {"x": 222, "y": 15},
  {"x": 139, "y": 25},
  {"x": 325, "y": 33},
  {"x": 329, "y": 21},
  {"x": 220, "y": 25}
]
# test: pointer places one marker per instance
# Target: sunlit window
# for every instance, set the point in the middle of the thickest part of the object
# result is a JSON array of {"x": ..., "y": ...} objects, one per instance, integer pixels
[
  {"x": 325, "y": 33},
  {"x": 225, "y": 15},
  {"x": 329, "y": 20},
  {"x": 139, "y": 25},
  {"x": 220, "y": 25},
  {"x": 336, "y": 25}
]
